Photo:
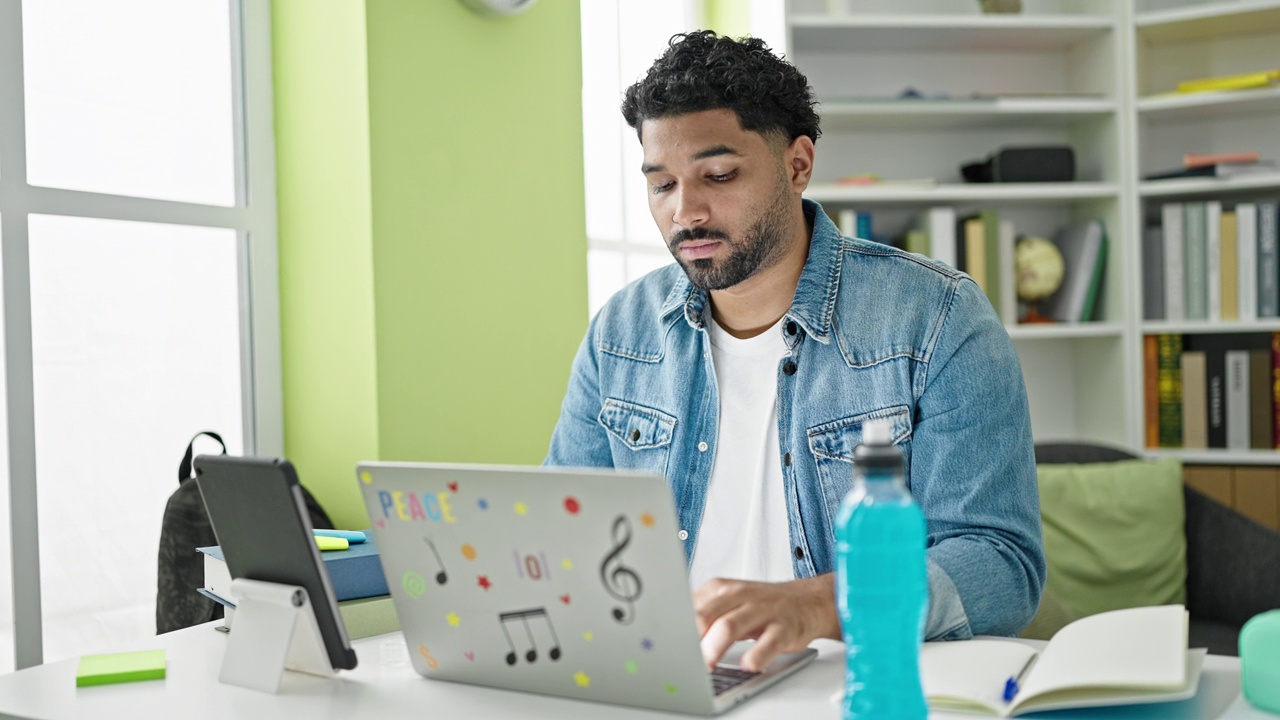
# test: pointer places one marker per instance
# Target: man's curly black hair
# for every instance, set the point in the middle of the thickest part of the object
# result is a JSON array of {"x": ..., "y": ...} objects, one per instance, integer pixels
[{"x": 703, "y": 71}]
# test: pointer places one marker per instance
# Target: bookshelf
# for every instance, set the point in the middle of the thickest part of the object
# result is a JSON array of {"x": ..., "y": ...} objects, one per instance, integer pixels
[{"x": 1098, "y": 75}]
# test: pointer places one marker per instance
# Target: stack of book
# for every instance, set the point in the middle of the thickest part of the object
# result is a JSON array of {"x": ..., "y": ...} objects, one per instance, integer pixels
[
  {"x": 1221, "y": 83},
  {"x": 359, "y": 585},
  {"x": 1207, "y": 262},
  {"x": 1212, "y": 390},
  {"x": 1222, "y": 165}
]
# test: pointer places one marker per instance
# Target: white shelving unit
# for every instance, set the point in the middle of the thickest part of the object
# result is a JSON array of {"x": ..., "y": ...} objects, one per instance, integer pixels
[{"x": 1099, "y": 75}]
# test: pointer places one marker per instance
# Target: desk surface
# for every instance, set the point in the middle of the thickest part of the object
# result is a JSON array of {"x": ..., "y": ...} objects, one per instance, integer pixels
[{"x": 385, "y": 686}]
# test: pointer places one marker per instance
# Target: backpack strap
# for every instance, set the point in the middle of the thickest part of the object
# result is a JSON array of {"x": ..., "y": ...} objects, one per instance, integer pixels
[{"x": 184, "y": 469}]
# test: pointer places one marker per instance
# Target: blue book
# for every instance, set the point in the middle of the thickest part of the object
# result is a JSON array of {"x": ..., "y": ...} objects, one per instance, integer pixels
[{"x": 355, "y": 572}]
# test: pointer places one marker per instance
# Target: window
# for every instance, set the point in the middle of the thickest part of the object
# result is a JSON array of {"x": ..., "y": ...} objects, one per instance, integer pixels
[{"x": 138, "y": 211}]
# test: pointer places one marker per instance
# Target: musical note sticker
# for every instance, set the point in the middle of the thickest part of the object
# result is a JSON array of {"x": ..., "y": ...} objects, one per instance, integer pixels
[
  {"x": 441, "y": 577},
  {"x": 426, "y": 655},
  {"x": 523, "y": 616},
  {"x": 620, "y": 581}
]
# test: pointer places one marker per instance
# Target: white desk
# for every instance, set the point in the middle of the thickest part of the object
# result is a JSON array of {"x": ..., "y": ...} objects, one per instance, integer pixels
[{"x": 385, "y": 686}]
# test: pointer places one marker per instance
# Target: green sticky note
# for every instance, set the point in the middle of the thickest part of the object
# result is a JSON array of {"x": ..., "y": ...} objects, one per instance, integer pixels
[{"x": 120, "y": 667}]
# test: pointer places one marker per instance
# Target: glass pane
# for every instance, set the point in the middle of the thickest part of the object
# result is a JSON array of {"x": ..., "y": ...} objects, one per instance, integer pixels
[
  {"x": 6, "y": 559},
  {"x": 606, "y": 274},
  {"x": 130, "y": 97},
  {"x": 136, "y": 345}
]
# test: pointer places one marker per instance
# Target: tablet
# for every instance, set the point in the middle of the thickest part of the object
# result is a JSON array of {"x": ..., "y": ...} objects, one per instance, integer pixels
[{"x": 260, "y": 519}]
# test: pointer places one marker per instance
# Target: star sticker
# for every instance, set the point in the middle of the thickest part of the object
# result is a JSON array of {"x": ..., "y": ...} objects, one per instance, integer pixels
[
  {"x": 647, "y": 644},
  {"x": 646, "y": 520},
  {"x": 567, "y": 564},
  {"x": 582, "y": 679},
  {"x": 484, "y": 582},
  {"x": 453, "y": 619},
  {"x": 521, "y": 508}
]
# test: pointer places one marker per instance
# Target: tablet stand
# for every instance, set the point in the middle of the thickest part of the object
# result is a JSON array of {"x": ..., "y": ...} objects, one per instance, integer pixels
[{"x": 275, "y": 630}]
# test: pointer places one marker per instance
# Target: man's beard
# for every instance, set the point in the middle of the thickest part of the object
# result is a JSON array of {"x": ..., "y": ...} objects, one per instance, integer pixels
[{"x": 763, "y": 246}]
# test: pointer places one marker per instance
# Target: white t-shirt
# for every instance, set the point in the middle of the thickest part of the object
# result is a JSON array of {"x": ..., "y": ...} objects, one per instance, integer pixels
[{"x": 744, "y": 532}]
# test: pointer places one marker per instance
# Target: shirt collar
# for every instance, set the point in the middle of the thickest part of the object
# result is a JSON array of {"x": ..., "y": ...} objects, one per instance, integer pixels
[{"x": 815, "y": 296}]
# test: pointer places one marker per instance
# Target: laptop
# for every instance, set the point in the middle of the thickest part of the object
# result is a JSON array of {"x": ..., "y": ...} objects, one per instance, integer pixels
[{"x": 549, "y": 580}]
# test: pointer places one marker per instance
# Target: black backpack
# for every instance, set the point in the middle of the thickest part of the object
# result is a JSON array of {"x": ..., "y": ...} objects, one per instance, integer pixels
[{"x": 181, "y": 569}]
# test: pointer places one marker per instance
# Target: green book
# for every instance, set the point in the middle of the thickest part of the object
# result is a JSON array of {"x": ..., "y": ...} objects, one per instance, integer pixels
[
  {"x": 1195, "y": 261},
  {"x": 1169, "y": 389},
  {"x": 120, "y": 667}
]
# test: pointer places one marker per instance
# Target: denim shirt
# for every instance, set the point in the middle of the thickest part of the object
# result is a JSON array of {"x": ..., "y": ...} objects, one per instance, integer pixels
[{"x": 873, "y": 332}]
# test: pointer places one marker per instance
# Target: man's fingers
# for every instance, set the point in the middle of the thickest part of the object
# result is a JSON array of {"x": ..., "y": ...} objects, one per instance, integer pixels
[
  {"x": 714, "y": 599},
  {"x": 772, "y": 641}
]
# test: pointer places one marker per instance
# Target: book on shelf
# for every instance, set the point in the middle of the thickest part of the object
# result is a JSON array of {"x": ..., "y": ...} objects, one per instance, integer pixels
[
  {"x": 1195, "y": 263},
  {"x": 1216, "y": 170},
  {"x": 1237, "y": 399},
  {"x": 1151, "y": 390},
  {"x": 1213, "y": 260},
  {"x": 1122, "y": 657},
  {"x": 1275, "y": 389},
  {"x": 855, "y": 224},
  {"x": 939, "y": 227},
  {"x": 1191, "y": 160},
  {"x": 1228, "y": 266},
  {"x": 1261, "y": 422},
  {"x": 1084, "y": 253},
  {"x": 1195, "y": 416},
  {"x": 1169, "y": 387},
  {"x": 1268, "y": 261},
  {"x": 1153, "y": 273},
  {"x": 1242, "y": 81},
  {"x": 1246, "y": 215},
  {"x": 1174, "y": 294},
  {"x": 1008, "y": 281}
]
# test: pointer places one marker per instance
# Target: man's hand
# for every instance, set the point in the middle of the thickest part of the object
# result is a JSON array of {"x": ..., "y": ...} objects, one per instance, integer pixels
[{"x": 780, "y": 617}]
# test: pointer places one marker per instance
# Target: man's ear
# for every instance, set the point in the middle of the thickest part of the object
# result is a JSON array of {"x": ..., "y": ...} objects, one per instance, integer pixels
[{"x": 799, "y": 162}]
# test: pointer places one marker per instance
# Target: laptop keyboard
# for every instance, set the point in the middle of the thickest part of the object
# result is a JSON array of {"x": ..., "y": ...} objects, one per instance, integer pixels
[{"x": 724, "y": 678}]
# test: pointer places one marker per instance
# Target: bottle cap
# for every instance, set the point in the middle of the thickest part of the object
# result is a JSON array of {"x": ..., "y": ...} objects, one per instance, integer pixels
[{"x": 877, "y": 432}]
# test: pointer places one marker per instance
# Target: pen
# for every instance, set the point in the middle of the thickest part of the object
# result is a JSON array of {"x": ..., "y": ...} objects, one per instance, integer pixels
[
  {"x": 1014, "y": 684},
  {"x": 351, "y": 536}
]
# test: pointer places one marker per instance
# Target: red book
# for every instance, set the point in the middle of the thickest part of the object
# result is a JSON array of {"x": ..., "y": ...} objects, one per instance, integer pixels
[
  {"x": 1275, "y": 387},
  {"x": 1191, "y": 160}
]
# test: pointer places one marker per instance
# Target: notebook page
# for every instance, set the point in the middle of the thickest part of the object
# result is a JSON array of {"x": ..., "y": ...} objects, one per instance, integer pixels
[
  {"x": 974, "y": 671},
  {"x": 1141, "y": 648}
]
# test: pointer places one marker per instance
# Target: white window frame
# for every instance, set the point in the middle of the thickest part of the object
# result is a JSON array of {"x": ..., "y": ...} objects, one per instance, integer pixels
[{"x": 253, "y": 218}]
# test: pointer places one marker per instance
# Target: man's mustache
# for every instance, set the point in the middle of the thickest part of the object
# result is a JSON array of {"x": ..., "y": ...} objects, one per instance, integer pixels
[{"x": 698, "y": 233}]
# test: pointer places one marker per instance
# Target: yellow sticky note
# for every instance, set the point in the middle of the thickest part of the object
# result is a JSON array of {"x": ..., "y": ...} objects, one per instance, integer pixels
[{"x": 331, "y": 543}]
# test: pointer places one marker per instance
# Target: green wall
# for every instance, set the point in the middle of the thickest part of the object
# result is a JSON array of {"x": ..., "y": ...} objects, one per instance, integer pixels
[
  {"x": 729, "y": 17},
  {"x": 457, "y": 251}
]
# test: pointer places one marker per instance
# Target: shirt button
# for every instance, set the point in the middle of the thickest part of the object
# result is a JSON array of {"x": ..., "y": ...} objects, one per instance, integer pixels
[
  {"x": 791, "y": 327},
  {"x": 683, "y": 534},
  {"x": 702, "y": 447},
  {"x": 786, "y": 459},
  {"x": 789, "y": 368},
  {"x": 799, "y": 553}
]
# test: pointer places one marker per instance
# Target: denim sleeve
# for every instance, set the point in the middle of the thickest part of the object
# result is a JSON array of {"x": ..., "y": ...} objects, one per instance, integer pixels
[
  {"x": 973, "y": 472},
  {"x": 579, "y": 440}
]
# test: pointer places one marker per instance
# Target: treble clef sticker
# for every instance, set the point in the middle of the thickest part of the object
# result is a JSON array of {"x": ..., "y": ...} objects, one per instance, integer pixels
[{"x": 619, "y": 580}]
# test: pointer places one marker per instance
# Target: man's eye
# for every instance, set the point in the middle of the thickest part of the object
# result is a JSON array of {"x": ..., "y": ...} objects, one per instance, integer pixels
[
  {"x": 657, "y": 189},
  {"x": 725, "y": 177}
]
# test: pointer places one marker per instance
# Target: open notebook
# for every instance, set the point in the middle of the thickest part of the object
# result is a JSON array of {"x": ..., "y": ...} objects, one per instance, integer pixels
[{"x": 1122, "y": 657}]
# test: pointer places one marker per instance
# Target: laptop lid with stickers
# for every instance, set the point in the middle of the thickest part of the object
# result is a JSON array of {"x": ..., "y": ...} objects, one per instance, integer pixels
[{"x": 547, "y": 580}]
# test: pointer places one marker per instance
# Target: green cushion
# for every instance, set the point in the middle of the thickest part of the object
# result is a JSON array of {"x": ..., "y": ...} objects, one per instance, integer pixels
[{"x": 1114, "y": 534}]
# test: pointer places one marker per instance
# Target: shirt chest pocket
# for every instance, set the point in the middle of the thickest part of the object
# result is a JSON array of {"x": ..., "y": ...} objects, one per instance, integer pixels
[
  {"x": 640, "y": 436},
  {"x": 833, "y": 443}
]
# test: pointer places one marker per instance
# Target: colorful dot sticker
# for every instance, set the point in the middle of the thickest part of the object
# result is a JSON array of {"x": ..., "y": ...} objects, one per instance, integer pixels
[
  {"x": 366, "y": 477},
  {"x": 646, "y": 520},
  {"x": 632, "y": 668},
  {"x": 414, "y": 584},
  {"x": 381, "y": 523},
  {"x": 483, "y": 504},
  {"x": 567, "y": 564},
  {"x": 483, "y": 582},
  {"x": 583, "y": 679},
  {"x": 468, "y": 552},
  {"x": 565, "y": 599},
  {"x": 453, "y": 619},
  {"x": 469, "y": 655},
  {"x": 671, "y": 689},
  {"x": 453, "y": 487},
  {"x": 521, "y": 508},
  {"x": 588, "y": 636},
  {"x": 571, "y": 505}
]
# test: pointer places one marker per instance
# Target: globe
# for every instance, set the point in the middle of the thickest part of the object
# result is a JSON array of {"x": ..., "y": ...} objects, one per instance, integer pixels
[{"x": 1039, "y": 268}]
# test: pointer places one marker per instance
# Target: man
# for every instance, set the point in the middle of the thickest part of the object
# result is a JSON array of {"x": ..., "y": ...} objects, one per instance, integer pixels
[{"x": 744, "y": 373}]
